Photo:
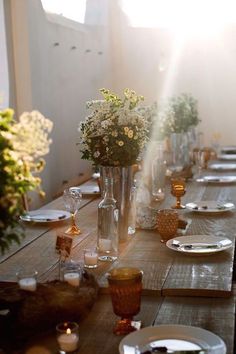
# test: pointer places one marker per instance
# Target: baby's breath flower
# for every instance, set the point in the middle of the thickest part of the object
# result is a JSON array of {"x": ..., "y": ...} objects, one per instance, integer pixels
[
  {"x": 108, "y": 126},
  {"x": 120, "y": 143},
  {"x": 130, "y": 134}
]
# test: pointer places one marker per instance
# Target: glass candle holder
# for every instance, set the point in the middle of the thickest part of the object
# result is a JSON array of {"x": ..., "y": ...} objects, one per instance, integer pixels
[
  {"x": 68, "y": 337},
  {"x": 167, "y": 223},
  {"x": 27, "y": 279},
  {"x": 72, "y": 273},
  {"x": 125, "y": 286},
  {"x": 90, "y": 258}
]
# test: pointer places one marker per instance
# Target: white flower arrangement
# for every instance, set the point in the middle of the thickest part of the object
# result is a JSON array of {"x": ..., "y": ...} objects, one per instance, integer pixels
[{"x": 115, "y": 132}]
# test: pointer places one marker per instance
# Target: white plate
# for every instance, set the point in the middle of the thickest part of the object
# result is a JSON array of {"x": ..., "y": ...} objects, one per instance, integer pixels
[
  {"x": 228, "y": 157},
  {"x": 200, "y": 243},
  {"x": 228, "y": 149},
  {"x": 222, "y": 166},
  {"x": 175, "y": 337},
  {"x": 217, "y": 179},
  {"x": 45, "y": 215},
  {"x": 206, "y": 206}
]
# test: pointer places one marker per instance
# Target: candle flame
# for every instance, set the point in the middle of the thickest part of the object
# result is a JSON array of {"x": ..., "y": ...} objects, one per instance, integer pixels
[{"x": 68, "y": 331}]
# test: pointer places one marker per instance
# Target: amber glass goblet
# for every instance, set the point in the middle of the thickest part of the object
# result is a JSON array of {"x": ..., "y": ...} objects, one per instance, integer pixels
[
  {"x": 125, "y": 286},
  {"x": 178, "y": 189}
]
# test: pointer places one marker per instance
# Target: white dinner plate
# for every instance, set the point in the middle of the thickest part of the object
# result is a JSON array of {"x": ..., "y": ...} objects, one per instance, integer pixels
[
  {"x": 222, "y": 166},
  {"x": 174, "y": 337},
  {"x": 228, "y": 149},
  {"x": 209, "y": 206},
  {"x": 199, "y": 244},
  {"x": 216, "y": 179},
  {"x": 45, "y": 215},
  {"x": 228, "y": 157}
]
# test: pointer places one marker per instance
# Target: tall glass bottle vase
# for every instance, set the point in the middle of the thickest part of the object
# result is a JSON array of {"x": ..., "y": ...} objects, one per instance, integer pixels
[
  {"x": 122, "y": 183},
  {"x": 108, "y": 216},
  {"x": 176, "y": 141},
  {"x": 158, "y": 172}
]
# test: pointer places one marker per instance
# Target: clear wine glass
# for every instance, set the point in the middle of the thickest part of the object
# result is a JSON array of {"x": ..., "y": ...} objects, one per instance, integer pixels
[{"x": 72, "y": 199}]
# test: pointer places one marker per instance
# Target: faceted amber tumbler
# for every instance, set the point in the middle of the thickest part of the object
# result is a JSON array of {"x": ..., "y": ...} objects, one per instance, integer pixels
[
  {"x": 167, "y": 223},
  {"x": 125, "y": 286}
]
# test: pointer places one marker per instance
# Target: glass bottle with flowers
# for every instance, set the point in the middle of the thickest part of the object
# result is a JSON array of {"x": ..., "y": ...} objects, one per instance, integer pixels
[{"x": 112, "y": 137}]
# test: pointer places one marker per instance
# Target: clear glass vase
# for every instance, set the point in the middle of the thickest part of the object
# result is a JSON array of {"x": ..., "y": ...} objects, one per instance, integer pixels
[{"x": 122, "y": 183}]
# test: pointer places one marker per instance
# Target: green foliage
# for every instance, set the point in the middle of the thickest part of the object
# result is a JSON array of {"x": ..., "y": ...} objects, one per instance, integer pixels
[{"x": 16, "y": 178}]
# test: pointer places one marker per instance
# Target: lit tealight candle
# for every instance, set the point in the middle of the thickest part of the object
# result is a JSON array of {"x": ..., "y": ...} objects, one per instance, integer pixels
[
  {"x": 104, "y": 245},
  {"x": 29, "y": 284},
  {"x": 68, "y": 341},
  {"x": 72, "y": 278},
  {"x": 90, "y": 259}
]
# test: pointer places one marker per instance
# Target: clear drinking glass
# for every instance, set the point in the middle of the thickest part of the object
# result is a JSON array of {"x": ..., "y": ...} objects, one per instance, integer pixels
[
  {"x": 27, "y": 279},
  {"x": 125, "y": 286},
  {"x": 72, "y": 273},
  {"x": 72, "y": 199}
]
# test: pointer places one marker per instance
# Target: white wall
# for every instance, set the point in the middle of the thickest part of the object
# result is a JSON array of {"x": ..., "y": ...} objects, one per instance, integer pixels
[
  {"x": 58, "y": 80},
  {"x": 203, "y": 66},
  {"x": 4, "y": 78},
  {"x": 66, "y": 67}
]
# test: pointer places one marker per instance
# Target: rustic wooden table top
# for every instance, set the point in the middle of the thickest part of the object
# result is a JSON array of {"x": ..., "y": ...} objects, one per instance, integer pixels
[{"x": 178, "y": 288}]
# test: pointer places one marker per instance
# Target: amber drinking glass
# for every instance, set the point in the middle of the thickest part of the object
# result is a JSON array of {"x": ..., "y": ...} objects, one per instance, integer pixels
[
  {"x": 178, "y": 189},
  {"x": 125, "y": 286},
  {"x": 167, "y": 223}
]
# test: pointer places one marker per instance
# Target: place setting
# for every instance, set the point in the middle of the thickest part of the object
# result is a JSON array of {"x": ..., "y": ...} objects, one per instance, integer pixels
[
  {"x": 216, "y": 179},
  {"x": 199, "y": 244},
  {"x": 209, "y": 206},
  {"x": 174, "y": 338},
  {"x": 45, "y": 216},
  {"x": 219, "y": 166}
]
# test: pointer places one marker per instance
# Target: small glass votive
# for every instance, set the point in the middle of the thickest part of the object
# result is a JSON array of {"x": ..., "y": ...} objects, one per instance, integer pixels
[
  {"x": 27, "y": 279},
  {"x": 67, "y": 337},
  {"x": 90, "y": 258},
  {"x": 72, "y": 273},
  {"x": 167, "y": 223}
]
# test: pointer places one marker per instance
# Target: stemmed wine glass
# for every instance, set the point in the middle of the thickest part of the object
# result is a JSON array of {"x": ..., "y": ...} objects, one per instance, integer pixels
[
  {"x": 125, "y": 287},
  {"x": 178, "y": 189},
  {"x": 72, "y": 199}
]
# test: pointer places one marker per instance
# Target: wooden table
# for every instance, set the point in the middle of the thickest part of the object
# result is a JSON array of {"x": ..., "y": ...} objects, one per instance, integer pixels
[{"x": 178, "y": 289}]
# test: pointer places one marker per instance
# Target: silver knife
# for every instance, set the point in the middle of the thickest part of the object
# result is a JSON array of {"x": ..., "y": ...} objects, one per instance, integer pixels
[{"x": 170, "y": 351}]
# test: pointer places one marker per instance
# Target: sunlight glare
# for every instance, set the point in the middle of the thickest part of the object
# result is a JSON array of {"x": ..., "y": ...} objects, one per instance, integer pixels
[{"x": 191, "y": 17}]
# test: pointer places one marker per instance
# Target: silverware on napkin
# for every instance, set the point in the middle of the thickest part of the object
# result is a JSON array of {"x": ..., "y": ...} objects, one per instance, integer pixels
[{"x": 170, "y": 351}]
